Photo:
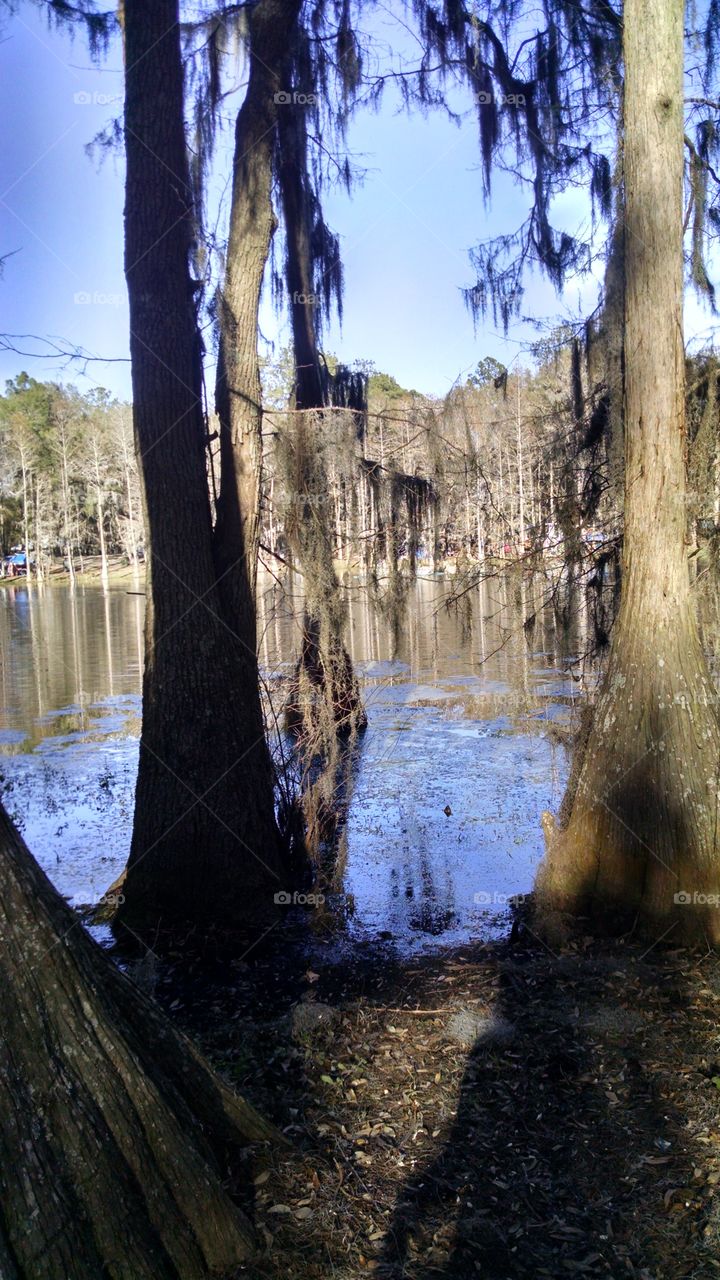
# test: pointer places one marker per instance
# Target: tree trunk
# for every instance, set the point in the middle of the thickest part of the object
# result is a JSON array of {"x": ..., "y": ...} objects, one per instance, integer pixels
[
  {"x": 551, "y": 496},
  {"x": 325, "y": 698},
  {"x": 114, "y": 1133},
  {"x": 521, "y": 483},
  {"x": 637, "y": 843},
  {"x": 39, "y": 567},
  {"x": 78, "y": 542},
  {"x": 205, "y": 846},
  {"x": 238, "y": 394},
  {"x": 26, "y": 515},
  {"x": 132, "y": 536},
  {"x": 127, "y": 457},
  {"x": 104, "y": 579},
  {"x": 66, "y": 508}
]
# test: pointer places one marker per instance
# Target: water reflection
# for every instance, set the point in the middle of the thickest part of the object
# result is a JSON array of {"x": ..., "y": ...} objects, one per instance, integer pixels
[
  {"x": 456, "y": 765},
  {"x": 61, "y": 652},
  {"x": 450, "y": 779},
  {"x": 71, "y": 669}
]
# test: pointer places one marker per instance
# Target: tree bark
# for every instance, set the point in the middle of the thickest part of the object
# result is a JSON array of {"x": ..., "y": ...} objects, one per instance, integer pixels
[
  {"x": 238, "y": 393},
  {"x": 637, "y": 843},
  {"x": 325, "y": 697},
  {"x": 205, "y": 845},
  {"x": 114, "y": 1132}
]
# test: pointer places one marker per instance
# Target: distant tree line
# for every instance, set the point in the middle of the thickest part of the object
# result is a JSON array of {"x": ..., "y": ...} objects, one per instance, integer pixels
[
  {"x": 508, "y": 463},
  {"x": 69, "y": 484}
]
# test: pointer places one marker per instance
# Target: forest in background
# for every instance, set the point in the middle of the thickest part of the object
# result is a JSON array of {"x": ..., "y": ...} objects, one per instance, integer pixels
[{"x": 509, "y": 464}]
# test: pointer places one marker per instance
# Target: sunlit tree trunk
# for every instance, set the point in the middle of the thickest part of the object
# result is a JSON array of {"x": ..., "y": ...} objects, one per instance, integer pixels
[
  {"x": 238, "y": 391},
  {"x": 39, "y": 566},
  {"x": 520, "y": 477},
  {"x": 205, "y": 846},
  {"x": 78, "y": 540},
  {"x": 551, "y": 494},
  {"x": 637, "y": 843},
  {"x": 124, "y": 440},
  {"x": 26, "y": 511},
  {"x": 478, "y": 513},
  {"x": 113, "y": 1130},
  {"x": 65, "y": 490},
  {"x": 501, "y": 500},
  {"x": 100, "y": 517},
  {"x": 132, "y": 532}
]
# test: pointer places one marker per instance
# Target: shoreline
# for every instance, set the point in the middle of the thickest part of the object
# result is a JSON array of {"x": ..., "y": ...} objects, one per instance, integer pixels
[{"x": 118, "y": 576}]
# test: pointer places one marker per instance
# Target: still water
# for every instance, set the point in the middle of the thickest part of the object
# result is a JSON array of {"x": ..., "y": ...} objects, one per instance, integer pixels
[{"x": 458, "y": 762}]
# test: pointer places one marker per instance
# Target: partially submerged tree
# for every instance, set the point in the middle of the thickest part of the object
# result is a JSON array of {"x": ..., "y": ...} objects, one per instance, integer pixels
[
  {"x": 325, "y": 698},
  {"x": 303, "y": 66},
  {"x": 637, "y": 842},
  {"x": 205, "y": 844},
  {"x": 639, "y": 818},
  {"x": 114, "y": 1132}
]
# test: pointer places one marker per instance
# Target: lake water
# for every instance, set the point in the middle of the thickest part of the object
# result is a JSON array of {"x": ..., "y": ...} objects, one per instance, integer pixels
[{"x": 459, "y": 707}]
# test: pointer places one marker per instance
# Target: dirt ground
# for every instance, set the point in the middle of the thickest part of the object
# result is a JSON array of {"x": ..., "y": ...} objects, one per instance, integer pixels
[{"x": 500, "y": 1111}]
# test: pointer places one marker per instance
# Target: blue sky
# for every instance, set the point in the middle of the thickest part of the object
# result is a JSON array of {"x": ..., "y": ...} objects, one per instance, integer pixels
[{"x": 405, "y": 232}]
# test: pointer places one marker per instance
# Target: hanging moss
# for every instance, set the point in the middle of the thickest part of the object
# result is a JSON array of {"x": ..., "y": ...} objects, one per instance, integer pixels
[
  {"x": 578, "y": 402},
  {"x": 324, "y": 700},
  {"x": 415, "y": 495},
  {"x": 703, "y": 435},
  {"x": 598, "y": 423}
]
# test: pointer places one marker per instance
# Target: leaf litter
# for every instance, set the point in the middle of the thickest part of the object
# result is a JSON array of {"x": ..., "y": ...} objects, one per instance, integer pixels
[{"x": 496, "y": 1111}]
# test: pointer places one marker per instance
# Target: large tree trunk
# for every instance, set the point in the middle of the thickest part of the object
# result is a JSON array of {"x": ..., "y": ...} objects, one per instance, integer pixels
[
  {"x": 238, "y": 392},
  {"x": 205, "y": 845},
  {"x": 638, "y": 833},
  {"x": 325, "y": 697},
  {"x": 114, "y": 1133}
]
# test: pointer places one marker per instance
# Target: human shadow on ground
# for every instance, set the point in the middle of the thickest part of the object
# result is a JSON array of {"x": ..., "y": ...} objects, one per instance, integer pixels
[{"x": 568, "y": 1155}]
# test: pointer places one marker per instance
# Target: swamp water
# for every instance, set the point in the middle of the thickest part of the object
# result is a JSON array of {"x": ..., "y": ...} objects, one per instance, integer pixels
[{"x": 452, "y": 774}]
